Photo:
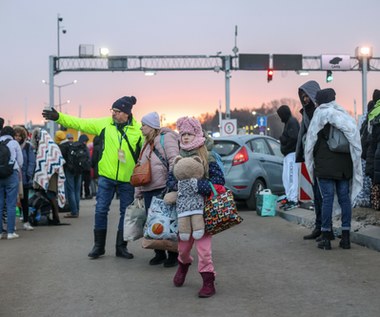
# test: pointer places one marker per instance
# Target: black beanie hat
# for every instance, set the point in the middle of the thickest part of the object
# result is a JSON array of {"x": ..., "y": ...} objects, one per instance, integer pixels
[
  {"x": 325, "y": 96},
  {"x": 376, "y": 95},
  {"x": 124, "y": 104}
]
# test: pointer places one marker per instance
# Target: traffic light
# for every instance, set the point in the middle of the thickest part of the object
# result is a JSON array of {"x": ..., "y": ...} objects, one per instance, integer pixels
[
  {"x": 269, "y": 74},
  {"x": 329, "y": 76}
]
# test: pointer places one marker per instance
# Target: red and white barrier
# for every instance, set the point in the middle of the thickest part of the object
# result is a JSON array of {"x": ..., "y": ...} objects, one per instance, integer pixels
[{"x": 305, "y": 184}]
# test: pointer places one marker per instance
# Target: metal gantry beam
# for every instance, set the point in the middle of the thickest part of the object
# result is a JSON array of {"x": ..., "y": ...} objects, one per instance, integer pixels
[
  {"x": 139, "y": 63},
  {"x": 177, "y": 63},
  {"x": 157, "y": 63}
]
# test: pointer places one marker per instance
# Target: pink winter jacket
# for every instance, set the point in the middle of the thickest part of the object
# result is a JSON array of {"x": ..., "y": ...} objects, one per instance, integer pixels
[{"x": 158, "y": 170}]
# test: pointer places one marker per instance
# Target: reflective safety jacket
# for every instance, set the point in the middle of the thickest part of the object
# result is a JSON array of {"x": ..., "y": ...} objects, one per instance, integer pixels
[{"x": 113, "y": 140}]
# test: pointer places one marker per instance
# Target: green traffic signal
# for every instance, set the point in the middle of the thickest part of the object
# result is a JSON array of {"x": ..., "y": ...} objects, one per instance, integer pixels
[{"x": 329, "y": 76}]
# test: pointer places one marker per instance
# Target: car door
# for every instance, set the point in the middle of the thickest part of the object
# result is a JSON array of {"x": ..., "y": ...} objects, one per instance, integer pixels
[
  {"x": 269, "y": 162},
  {"x": 277, "y": 163}
]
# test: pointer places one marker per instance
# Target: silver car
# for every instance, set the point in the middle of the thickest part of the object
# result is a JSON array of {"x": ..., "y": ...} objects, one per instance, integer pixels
[{"x": 251, "y": 164}]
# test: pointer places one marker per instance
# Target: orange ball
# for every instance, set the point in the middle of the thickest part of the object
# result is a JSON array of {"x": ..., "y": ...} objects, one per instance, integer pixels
[{"x": 157, "y": 228}]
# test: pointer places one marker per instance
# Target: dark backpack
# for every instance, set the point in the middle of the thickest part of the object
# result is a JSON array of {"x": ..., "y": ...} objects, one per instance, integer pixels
[
  {"x": 78, "y": 159},
  {"x": 6, "y": 168}
]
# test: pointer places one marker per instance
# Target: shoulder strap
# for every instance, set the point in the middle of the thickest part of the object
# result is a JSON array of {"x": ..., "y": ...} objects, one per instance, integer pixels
[
  {"x": 135, "y": 154},
  {"x": 164, "y": 161},
  {"x": 5, "y": 142},
  {"x": 162, "y": 141},
  {"x": 143, "y": 149}
]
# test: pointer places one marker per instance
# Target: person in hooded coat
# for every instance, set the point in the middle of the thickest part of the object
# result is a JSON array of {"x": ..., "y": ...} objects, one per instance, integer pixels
[
  {"x": 307, "y": 93},
  {"x": 288, "y": 141}
]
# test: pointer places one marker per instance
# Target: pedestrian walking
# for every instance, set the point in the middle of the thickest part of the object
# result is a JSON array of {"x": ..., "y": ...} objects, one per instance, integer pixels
[
  {"x": 162, "y": 143},
  {"x": 193, "y": 143}
]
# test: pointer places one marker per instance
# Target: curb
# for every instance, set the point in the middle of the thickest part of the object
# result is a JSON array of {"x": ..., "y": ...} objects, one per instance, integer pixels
[{"x": 367, "y": 236}]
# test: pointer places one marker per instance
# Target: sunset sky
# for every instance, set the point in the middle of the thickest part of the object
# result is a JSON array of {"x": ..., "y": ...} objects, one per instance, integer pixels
[{"x": 28, "y": 35}]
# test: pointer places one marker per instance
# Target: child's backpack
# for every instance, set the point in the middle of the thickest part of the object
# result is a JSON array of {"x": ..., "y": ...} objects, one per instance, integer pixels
[
  {"x": 6, "y": 168},
  {"x": 39, "y": 209},
  {"x": 78, "y": 159}
]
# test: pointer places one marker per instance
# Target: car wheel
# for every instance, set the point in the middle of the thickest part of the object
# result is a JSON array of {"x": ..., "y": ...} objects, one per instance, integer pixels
[{"x": 258, "y": 186}]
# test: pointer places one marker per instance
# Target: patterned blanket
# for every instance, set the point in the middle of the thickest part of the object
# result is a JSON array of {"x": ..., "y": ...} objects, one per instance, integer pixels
[
  {"x": 49, "y": 160},
  {"x": 335, "y": 115}
]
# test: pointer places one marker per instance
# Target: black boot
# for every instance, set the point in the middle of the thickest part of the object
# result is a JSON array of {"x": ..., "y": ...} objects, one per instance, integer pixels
[
  {"x": 100, "y": 241},
  {"x": 313, "y": 235},
  {"x": 330, "y": 236},
  {"x": 325, "y": 243},
  {"x": 345, "y": 243},
  {"x": 121, "y": 246},
  {"x": 171, "y": 260},
  {"x": 159, "y": 258}
]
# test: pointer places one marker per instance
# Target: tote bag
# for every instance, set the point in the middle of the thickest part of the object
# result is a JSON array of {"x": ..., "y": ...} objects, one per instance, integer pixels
[
  {"x": 134, "y": 220},
  {"x": 220, "y": 212},
  {"x": 161, "y": 222},
  {"x": 266, "y": 203}
]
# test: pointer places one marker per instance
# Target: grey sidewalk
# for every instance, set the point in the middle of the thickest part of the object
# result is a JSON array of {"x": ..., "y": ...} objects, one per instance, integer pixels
[{"x": 365, "y": 235}]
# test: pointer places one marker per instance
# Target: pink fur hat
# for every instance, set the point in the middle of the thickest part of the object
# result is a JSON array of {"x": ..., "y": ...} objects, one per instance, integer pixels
[{"x": 190, "y": 126}]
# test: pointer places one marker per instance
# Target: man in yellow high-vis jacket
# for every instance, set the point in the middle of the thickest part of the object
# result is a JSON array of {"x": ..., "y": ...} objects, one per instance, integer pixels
[{"x": 121, "y": 144}]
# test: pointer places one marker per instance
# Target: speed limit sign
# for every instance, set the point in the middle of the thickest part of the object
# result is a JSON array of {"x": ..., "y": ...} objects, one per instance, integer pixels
[{"x": 229, "y": 127}]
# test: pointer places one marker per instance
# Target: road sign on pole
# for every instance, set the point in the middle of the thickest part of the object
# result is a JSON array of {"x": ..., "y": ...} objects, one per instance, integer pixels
[
  {"x": 229, "y": 127},
  {"x": 262, "y": 121}
]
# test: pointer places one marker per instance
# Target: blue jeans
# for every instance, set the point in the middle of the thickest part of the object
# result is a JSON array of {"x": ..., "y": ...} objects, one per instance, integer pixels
[
  {"x": 104, "y": 196},
  {"x": 327, "y": 187},
  {"x": 73, "y": 185},
  {"x": 8, "y": 196},
  {"x": 317, "y": 204}
]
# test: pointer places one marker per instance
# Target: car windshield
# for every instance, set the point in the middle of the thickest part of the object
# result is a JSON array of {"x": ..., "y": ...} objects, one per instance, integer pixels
[{"x": 225, "y": 148}]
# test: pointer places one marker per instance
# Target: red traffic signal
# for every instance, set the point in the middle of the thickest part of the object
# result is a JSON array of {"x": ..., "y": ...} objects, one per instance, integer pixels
[{"x": 269, "y": 75}]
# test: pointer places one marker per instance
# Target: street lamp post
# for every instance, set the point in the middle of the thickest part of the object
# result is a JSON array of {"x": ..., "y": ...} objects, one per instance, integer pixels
[
  {"x": 364, "y": 54},
  {"x": 59, "y": 27},
  {"x": 59, "y": 91}
]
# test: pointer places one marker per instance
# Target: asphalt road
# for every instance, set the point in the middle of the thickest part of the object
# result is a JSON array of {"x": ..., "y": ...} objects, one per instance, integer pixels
[{"x": 264, "y": 268}]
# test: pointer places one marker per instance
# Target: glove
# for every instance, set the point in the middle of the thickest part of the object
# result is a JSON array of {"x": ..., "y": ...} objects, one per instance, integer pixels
[{"x": 50, "y": 114}]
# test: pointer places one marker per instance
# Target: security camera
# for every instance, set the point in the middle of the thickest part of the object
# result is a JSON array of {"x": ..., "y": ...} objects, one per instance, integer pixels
[
  {"x": 64, "y": 31},
  {"x": 60, "y": 19}
]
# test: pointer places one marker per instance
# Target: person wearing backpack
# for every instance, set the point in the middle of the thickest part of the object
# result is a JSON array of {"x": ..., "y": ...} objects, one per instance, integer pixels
[
  {"x": 11, "y": 161},
  {"x": 77, "y": 162},
  {"x": 163, "y": 145},
  {"x": 95, "y": 157},
  {"x": 27, "y": 172},
  {"x": 335, "y": 171},
  {"x": 122, "y": 140},
  {"x": 72, "y": 179},
  {"x": 85, "y": 192}
]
